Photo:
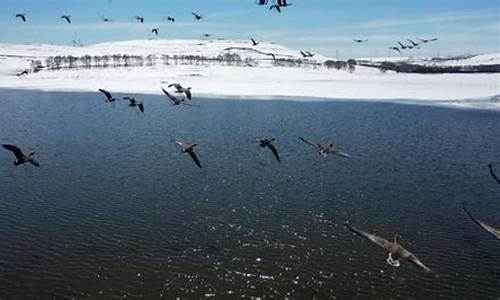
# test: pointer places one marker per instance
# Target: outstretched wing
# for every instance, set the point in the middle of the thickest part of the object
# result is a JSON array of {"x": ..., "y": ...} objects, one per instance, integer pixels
[
  {"x": 17, "y": 152},
  {"x": 195, "y": 158},
  {"x": 377, "y": 240},
  {"x": 141, "y": 106},
  {"x": 308, "y": 142},
  {"x": 169, "y": 95},
  {"x": 493, "y": 174},
  {"x": 106, "y": 93},
  {"x": 340, "y": 153},
  {"x": 275, "y": 152},
  {"x": 489, "y": 228},
  {"x": 412, "y": 258}
]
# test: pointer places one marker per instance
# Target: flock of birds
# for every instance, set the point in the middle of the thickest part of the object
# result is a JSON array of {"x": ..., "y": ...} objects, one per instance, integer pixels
[{"x": 412, "y": 45}]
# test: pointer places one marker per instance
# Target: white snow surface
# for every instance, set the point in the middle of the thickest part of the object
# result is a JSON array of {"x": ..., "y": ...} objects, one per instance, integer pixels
[{"x": 261, "y": 82}]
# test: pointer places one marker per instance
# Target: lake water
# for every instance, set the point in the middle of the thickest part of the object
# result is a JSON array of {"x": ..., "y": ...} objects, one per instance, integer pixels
[{"x": 115, "y": 210}]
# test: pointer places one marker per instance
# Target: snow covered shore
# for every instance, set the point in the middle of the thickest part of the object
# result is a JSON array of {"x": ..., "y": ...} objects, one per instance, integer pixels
[{"x": 262, "y": 81}]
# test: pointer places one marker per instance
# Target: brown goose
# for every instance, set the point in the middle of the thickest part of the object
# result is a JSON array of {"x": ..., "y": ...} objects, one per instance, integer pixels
[
  {"x": 134, "y": 103},
  {"x": 326, "y": 149},
  {"x": 21, "y": 158},
  {"x": 189, "y": 148},
  {"x": 487, "y": 227},
  {"x": 396, "y": 251},
  {"x": 269, "y": 144}
]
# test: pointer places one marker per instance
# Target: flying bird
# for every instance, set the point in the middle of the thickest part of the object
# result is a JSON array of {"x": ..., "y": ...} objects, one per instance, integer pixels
[
  {"x": 22, "y": 16},
  {"x": 171, "y": 19},
  {"x": 326, "y": 149},
  {"x": 254, "y": 42},
  {"x": 395, "y": 49},
  {"x": 427, "y": 40},
  {"x": 67, "y": 18},
  {"x": 176, "y": 100},
  {"x": 487, "y": 227},
  {"x": 21, "y": 158},
  {"x": 269, "y": 144},
  {"x": 196, "y": 16},
  {"x": 207, "y": 35},
  {"x": 22, "y": 73},
  {"x": 396, "y": 251},
  {"x": 360, "y": 40},
  {"x": 139, "y": 19},
  {"x": 134, "y": 103},
  {"x": 262, "y": 2},
  {"x": 276, "y": 6},
  {"x": 180, "y": 89},
  {"x": 306, "y": 54},
  {"x": 155, "y": 31},
  {"x": 413, "y": 43},
  {"x": 283, "y": 3},
  {"x": 402, "y": 46},
  {"x": 109, "y": 97},
  {"x": 490, "y": 166},
  {"x": 189, "y": 148},
  {"x": 105, "y": 19}
]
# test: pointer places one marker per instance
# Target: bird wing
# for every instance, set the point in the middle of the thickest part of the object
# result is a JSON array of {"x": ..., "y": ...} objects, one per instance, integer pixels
[
  {"x": 188, "y": 94},
  {"x": 340, "y": 153},
  {"x": 275, "y": 152},
  {"x": 412, "y": 258},
  {"x": 106, "y": 93},
  {"x": 489, "y": 228},
  {"x": 493, "y": 174},
  {"x": 169, "y": 96},
  {"x": 180, "y": 143},
  {"x": 35, "y": 163},
  {"x": 307, "y": 142},
  {"x": 23, "y": 17},
  {"x": 141, "y": 107},
  {"x": 377, "y": 240},
  {"x": 17, "y": 152},
  {"x": 195, "y": 158}
]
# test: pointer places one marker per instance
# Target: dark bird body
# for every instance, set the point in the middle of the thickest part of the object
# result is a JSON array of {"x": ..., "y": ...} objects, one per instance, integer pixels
[
  {"x": 196, "y": 16},
  {"x": 155, "y": 31},
  {"x": 139, "y": 19},
  {"x": 171, "y": 19},
  {"x": 275, "y": 6},
  {"x": 105, "y": 19},
  {"x": 180, "y": 89},
  {"x": 326, "y": 149},
  {"x": 134, "y": 103},
  {"x": 189, "y": 149},
  {"x": 175, "y": 100},
  {"x": 67, "y": 18},
  {"x": 414, "y": 44},
  {"x": 109, "y": 97},
  {"x": 269, "y": 143},
  {"x": 360, "y": 40},
  {"x": 21, "y": 158},
  {"x": 395, "y": 49},
  {"x": 396, "y": 251},
  {"x": 254, "y": 42},
  {"x": 262, "y": 2},
  {"x": 22, "y": 73},
  {"x": 306, "y": 54},
  {"x": 22, "y": 16}
]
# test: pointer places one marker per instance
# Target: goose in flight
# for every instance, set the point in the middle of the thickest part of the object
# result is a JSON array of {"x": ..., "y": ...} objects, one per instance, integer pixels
[
  {"x": 283, "y": 3},
  {"x": 176, "y": 100},
  {"x": 427, "y": 40},
  {"x": 107, "y": 20},
  {"x": 189, "y": 148},
  {"x": 134, "y": 103},
  {"x": 396, "y": 251},
  {"x": 360, "y": 40},
  {"x": 326, "y": 149},
  {"x": 414, "y": 44},
  {"x": 180, "y": 89},
  {"x": 254, "y": 42},
  {"x": 21, "y": 158},
  {"x": 139, "y": 19},
  {"x": 196, "y": 16},
  {"x": 402, "y": 46},
  {"x": 22, "y": 73},
  {"x": 269, "y": 143},
  {"x": 22, "y": 16},
  {"x": 487, "y": 227},
  {"x": 306, "y": 54},
  {"x": 155, "y": 31},
  {"x": 395, "y": 49},
  {"x": 67, "y": 18},
  {"x": 490, "y": 166},
  {"x": 171, "y": 19},
  {"x": 207, "y": 35},
  {"x": 109, "y": 97},
  {"x": 262, "y": 2}
]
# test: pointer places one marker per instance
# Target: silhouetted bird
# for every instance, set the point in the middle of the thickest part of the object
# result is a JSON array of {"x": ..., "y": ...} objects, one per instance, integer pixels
[
  {"x": 395, "y": 49},
  {"x": 134, "y": 103},
  {"x": 262, "y": 2},
  {"x": 22, "y": 73},
  {"x": 67, "y": 18},
  {"x": 105, "y": 19},
  {"x": 402, "y": 46},
  {"x": 175, "y": 100},
  {"x": 326, "y": 149},
  {"x": 413, "y": 43},
  {"x": 487, "y": 227},
  {"x": 170, "y": 19},
  {"x": 21, "y": 158},
  {"x": 180, "y": 89},
  {"x": 306, "y": 54},
  {"x": 189, "y": 148},
  {"x": 283, "y": 3},
  {"x": 196, "y": 16},
  {"x": 22, "y": 16},
  {"x": 254, "y": 43},
  {"x": 139, "y": 19},
  {"x": 427, "y": 40},
  {"x": 207, "y": 35},
  {"x": 278, "y": 9},
  {"x": 360, "y": 40},
  {"x": 269, "y": 144},
  {"x": 155, "y": 31},
  {"x": 490, "y": 166},
  {"x": 109, "y": 97},
  {"x": 396, "y": 251}
]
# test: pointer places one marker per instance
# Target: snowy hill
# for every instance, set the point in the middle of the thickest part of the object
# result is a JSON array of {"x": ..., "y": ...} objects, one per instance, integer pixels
[{"x": 256, "y": 74}]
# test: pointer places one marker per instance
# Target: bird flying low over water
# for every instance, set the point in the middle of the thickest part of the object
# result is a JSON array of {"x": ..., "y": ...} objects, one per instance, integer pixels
[
  {"x": 139, "y": 19},
  {"x": 269, "y": 143},
  {"x": 360, "y": 40},
  {"x": 492, "y": 173},
  {"x": 176, "y": 100},
  {"x": 396, "y": 251},
  {"x": 326, "y": 149},
  {"x": 395, "y": 49},
  {"x": 254, "y": 42},
  {"x": 134, "y": 103},
  {"x": 189, "y": 148},
  {"x": 155, "y": 31},
  {"x": 21, "y": 158},
  {"x": 67, "y": 18},
  {"x": 180, "y": 89},
  {"x": 109, "y": 97},
  {"x": 196, "y": 16},
  {"x": 22, "y": 16},
  {"x": 487, "y": 227}
]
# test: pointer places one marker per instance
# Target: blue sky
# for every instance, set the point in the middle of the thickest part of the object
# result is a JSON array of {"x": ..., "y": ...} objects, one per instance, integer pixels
[{"x": 324, "y": 26}]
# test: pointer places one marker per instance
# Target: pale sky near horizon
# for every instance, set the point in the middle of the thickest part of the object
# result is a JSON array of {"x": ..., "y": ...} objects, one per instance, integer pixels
[{"x": 323, "y": 26}]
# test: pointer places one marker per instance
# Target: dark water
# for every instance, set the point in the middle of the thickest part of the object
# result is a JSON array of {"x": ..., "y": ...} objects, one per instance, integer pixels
[{"x": 116, "y": 211}]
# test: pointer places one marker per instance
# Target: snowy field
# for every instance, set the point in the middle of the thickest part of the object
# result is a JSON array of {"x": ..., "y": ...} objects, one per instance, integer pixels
[{"x": 263, "y": 81}]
